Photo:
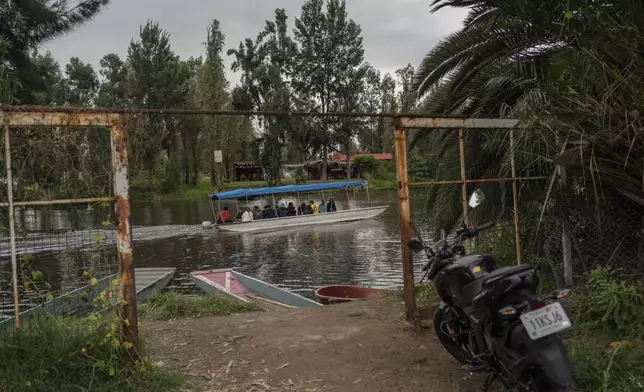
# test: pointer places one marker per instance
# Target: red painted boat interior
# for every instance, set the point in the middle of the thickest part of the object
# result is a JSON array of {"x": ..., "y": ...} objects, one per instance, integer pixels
[
  {"x": 347, "y": 292},
  {"x": 219, "y": 277}
]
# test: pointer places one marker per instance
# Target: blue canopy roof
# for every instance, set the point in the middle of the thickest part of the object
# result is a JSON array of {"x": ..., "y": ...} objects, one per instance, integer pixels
[{"x": 250, "y": 193}]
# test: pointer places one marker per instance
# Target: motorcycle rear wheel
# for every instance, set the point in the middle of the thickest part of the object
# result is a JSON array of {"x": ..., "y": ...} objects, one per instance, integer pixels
[
  {"x": 453, "y": 347},
  {"x": 540, "y": 383}
]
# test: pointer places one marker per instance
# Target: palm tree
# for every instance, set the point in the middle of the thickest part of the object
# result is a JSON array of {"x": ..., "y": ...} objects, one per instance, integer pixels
[{"x": 572, "y": 71}]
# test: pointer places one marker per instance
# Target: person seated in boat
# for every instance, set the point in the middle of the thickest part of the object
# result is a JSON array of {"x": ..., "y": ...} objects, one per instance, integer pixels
[
  {"x": 224, "y": 216},
  {"x": 282, "y": 212},
  {"x": 306, "y": 209},
  {"x": 322, "y": 207},
  {"x": 269, "y": 212},
  {"x": 314, "y": 208},
  {"x": 240, "y": 212},
  {"x": 291, "y": 209},
  {"x": 330, "y": 206},
  {"x": 247, "y": 216},
  {"x": 257, "y": 213}
]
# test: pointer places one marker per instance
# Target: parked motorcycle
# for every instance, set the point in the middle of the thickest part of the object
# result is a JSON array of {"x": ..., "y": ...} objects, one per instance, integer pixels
[{"x": 492, "y": 319}]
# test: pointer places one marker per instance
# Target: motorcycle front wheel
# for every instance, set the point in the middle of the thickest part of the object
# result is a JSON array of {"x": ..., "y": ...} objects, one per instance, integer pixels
[{"x": 443, "y": 319}]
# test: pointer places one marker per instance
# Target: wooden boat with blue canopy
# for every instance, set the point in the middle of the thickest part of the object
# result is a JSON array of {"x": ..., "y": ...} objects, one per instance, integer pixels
[{"x": 298, "y": 195}]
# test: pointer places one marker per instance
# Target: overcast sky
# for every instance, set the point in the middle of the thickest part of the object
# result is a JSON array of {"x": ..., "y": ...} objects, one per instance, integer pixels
[{"x": 396, "y": 32}]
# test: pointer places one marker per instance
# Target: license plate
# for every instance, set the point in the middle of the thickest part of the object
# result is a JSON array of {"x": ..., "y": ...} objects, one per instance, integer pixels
[{"x": 545, "y": 321}]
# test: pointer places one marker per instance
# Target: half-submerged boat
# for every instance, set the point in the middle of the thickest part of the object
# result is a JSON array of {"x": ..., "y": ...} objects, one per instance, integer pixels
[
  {"x": 234, "y": 284},
  {"x": 298, "y": 192},
  {"x": 148, "y": 281}
]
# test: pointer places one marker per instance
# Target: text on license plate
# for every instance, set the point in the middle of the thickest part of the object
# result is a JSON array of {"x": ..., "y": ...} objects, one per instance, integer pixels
[{"x": 545, "y": 321}]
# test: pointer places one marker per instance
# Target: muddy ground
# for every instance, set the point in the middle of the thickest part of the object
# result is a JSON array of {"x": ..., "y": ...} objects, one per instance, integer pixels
[{"x": 361, "y": 347}]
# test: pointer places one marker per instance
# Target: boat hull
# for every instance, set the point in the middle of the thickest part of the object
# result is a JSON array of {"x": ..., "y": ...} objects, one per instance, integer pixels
[
  {"x": 304, "y": 220},
  {"x": 343, "y": 293},
  {"x": 245, "y": 288}
]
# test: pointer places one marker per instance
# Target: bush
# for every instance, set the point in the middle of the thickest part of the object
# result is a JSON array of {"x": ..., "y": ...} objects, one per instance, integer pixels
[
  {"x": 68, "y": 354},
  {"x": 612, "y": 303},
  {"x": 171, "y": 305},
  {"x": 366, "y": 165}
]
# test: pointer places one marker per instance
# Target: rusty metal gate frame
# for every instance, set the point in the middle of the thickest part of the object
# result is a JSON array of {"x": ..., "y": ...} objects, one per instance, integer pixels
[
  {"x": 121, "y": 188},
  {"x": 402, "y": 123},
  {"x": 31, "y": 116}
]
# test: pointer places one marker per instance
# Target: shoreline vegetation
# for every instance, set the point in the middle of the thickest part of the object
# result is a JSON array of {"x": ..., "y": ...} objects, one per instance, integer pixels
[
  {"x": 54, "y": 353},
  {"x": 141, "y": 191}
]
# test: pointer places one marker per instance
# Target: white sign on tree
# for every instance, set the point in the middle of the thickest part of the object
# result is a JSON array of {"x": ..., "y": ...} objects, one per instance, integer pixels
[{"x": 219, "y": 157}]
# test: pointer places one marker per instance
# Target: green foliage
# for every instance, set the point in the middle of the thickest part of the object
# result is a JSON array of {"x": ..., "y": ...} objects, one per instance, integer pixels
[
  {"x": 367, "y": 165},
  {"x": 613, "y": 303},
  {"x": 64, "y": 354},
  {"x": 606, "y": 344},
  {"x": 171, "y": 306},
  {"x": 25, "y": 25}
]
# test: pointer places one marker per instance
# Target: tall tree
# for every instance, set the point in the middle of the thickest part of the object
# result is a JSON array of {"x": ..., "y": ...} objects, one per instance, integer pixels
[
  {"x": 266, "y": 65},
  {"x": 212, "y": 94},
  {"x": 112, "y": 90},
  {"x": 331, "y": 54},
  {"x": 407, "y": 94},
  {"x": 80, "y": 86},
  {"x": 155, "y": 80}
]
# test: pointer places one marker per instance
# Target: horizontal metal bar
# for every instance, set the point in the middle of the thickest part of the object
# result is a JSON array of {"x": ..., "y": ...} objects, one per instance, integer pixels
[
  {"x": 70, "y": 110},
  {"x": 475, "y": 181},
  {"x": 59, "y": 119},
  {"x": 62, "y": 201},
  {"x": 442, "y": 122}
]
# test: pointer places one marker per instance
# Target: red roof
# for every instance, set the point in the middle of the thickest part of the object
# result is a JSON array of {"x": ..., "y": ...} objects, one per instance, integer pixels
[{"x": 343, "y": 158}]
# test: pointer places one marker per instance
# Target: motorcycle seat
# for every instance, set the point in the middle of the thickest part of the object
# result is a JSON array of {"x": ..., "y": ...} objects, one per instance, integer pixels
[{"x": 504, "y": 272}]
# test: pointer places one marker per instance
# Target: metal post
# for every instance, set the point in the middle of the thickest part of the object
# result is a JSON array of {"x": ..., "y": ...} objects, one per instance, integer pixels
[
  {"x": 515, "y": 198},
  {"x": 461, "y": 151},
  {"x": 405, "y": 221},
  {"x": 124, "y": 235},
  {"x": 566, "y": 241},
  {"x": 12, "y": 223}
]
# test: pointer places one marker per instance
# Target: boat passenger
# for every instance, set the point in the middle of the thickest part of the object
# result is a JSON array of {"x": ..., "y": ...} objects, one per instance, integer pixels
[
  {"x": 257, "y": 213},
  {"x": 247, "y": 216},
  {"x": 314, "y": 208},
  {"x": 240, "y": 212},
  {"x": 282, "y": 211},
  {"x": 224, "y": 216},
  {"x": 322, "y": 207},
  {"x": 330, "y": 206},
  {"x": 306, "y": 209},
  {"x": 269, "y": 212},
  {"x": 291, "y": 209}
]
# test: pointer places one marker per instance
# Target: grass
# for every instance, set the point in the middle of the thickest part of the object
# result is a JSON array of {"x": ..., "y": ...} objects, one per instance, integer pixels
[
  {"x": 71, "y": 354},
  {"x": 171, "y": 305}
]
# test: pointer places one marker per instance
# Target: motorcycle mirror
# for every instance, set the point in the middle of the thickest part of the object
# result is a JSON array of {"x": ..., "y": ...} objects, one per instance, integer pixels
[
  {"x": 415, "y": 246},
  {"x": 476, "y": 199}
]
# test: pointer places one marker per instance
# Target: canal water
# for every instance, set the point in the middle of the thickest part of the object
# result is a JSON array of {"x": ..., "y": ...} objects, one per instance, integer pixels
[{"x": 170, "y": 234}]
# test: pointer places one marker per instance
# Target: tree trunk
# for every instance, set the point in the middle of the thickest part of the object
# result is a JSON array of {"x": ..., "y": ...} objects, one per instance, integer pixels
[
  {"x": 195, "y": 166},
  {"x": 325, "y": 154},
  {"x": 349, "y": 159},
  {"x": 186, "y": 160}
]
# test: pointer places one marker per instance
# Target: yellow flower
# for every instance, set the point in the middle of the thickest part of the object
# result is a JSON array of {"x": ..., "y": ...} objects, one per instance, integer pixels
[
  {"x": 115, "y": 343},
  {"x": 618, "y": 344}
]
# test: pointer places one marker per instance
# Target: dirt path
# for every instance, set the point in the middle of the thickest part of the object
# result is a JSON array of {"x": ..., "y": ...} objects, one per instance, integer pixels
[{"x": 360, "y": 347}]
